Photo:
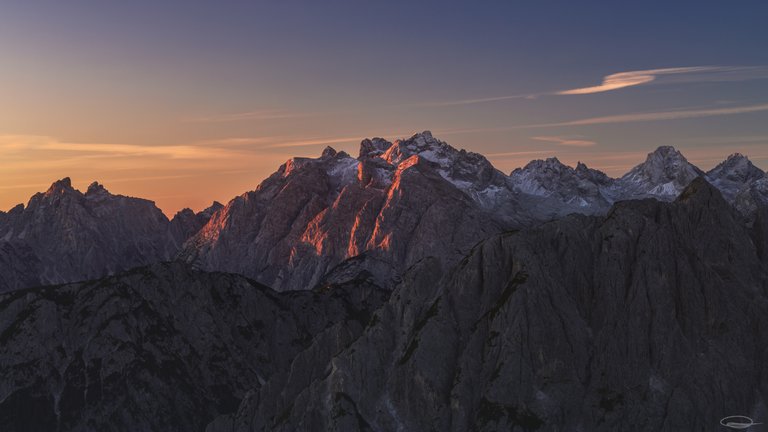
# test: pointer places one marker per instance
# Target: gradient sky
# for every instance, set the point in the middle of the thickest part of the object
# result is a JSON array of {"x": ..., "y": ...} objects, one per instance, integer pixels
[{"x": 183, "y": 102}]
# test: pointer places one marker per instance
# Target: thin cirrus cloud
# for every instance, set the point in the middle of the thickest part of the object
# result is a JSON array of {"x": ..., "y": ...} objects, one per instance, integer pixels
[
  {"x": 20, "y": 144},
  {"x": 476, "y": 101},
  {"x": 279, "y": 142},
  {"x": 672, "y": 75},
  {"x": 621, "y": 118},
  {"x": 627, "y": 79},
  {"x": 313, "y": 142},
  {"x": 260, "y": 115},
  {"x": 660, "y": 115},
  {"x": 566, "y": 141}
]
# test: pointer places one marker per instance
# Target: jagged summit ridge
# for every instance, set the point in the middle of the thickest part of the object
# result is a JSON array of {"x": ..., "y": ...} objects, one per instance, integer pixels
[
  {"x": 549, "y": 178},
  {"x": 565, "y": 325},
  {"x": 315, "y": 213},
  {"x": 394, "y": 204},
  {"x": 64, "y": 235},
  {"x": 397, "y": 202},
  {"x": 577, "y": 324},
  {"x": 734, "y": 175},
  {"x": 664, "y": 174}
]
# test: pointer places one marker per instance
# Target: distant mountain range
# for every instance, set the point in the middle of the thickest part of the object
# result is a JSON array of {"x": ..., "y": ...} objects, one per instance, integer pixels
[
  {"x": 64, "y": 235},
  {"x": 386, "y": 209},
  {"x": 414, "y": 287}
]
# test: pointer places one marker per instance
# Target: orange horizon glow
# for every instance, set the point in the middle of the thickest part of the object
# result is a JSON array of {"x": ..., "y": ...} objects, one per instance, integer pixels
[
  {"x": 184, "y": 103},
  {"x": 193, "y": 176}
]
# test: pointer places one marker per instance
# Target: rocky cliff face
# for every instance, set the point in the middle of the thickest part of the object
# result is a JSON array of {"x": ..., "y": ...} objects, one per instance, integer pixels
[
  {"x": 64, "y": 235},
  {"x": 564, "y": 189},
  {"x": 505, "y": 312},
  {"x": 395, "y": 204},
  {"x": 652, "y": 317},
  {"x": 663, "y": 175},
  {"x": 186, "y": 223},
  {"x": 68, "y": 236},
  {"x": 163, "y": 347},
  {"x": 324, "y": 219},
  {"x": 734, "y": 175},
  {"x": 752, "y": 197}
]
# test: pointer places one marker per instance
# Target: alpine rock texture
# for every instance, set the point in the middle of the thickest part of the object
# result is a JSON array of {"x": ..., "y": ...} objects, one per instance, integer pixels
[
  {"x": 663, "y": 175},
  {"x": 653, "y": 317},
  {"x": 337, "y": 217},
  {"x": 393, "y": 205},
  {"x": 158, "y": 348},
  {"x": 64, "y": 235},
  {"x": 554, "y": 189},
  {"x": 414, "y": 287}
]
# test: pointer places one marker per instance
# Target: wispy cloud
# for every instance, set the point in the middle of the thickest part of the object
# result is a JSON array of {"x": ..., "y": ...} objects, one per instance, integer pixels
[
  {"x": 24, "y": 186},
  {"x": 719, "y": 140},
  {"x": 476, "y": 101},
  {"x": 519, "y": 153},
  {"x": 680, "y": 74},
  {"x": 621, "y": 118},
  {"x": 566, "y": 141},
  {"x": 236, "y": 141},
  {"x": 259, "y": 115},
  {"x": 314, "y": 142},
  {"x": 622, "y": 80},
  {"x": 661, "y": 115},
  {"x": 11, "y": 144}
]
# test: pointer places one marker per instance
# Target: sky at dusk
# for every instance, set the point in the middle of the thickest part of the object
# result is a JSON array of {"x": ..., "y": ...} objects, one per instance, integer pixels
[{"x": 183, "y": 101}]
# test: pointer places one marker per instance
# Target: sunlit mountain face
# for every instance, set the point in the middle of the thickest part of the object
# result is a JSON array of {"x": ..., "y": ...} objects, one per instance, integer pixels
[{"x": 195, "y": 234}]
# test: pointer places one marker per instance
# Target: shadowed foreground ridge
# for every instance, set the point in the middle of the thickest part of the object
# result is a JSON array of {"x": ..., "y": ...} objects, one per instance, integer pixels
[
  {"x": 162, "y": 347},
  {"x": 653, "y": 318}
]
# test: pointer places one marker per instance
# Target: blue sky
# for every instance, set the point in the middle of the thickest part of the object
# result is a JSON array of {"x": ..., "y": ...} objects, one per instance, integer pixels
[{"x": 187, "y": 101}]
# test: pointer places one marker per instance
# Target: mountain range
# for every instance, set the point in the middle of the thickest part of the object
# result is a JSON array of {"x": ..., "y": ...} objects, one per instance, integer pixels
[
  {"x": 320, "y": 219},
  {"x": 413, "y": 287}
]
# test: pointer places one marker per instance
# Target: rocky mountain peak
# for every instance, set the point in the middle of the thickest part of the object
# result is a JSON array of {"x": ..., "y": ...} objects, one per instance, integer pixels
[
  {"x": 736, "y": 168},
  {"x": 66, "y": 236},
  {"x": 373, "y": 147},
  {"x": 17, "y": 209},
  {"x": 470, "y": 172},
  {"x": 664, "y": 160},
  {"x": 328, "y": 152},
  {"x": 96, "y": 188},
  {"x": 664, "y": 174},
  {"x": 665, "y": 151},
  {"x": 551, "y": 164},
  {"x": 213, "y": 208},
  {"x": 183, "y": 213},
  {"x": 187, "y": 223},
  {"x": 580, "y": 188},
  {"x": 60, "y": 186},
  {"x": 423, "y": 144}
]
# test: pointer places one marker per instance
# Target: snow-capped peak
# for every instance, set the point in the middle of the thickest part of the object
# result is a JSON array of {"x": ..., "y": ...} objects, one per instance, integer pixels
[
  {"x": 736, "y": 168},
  {"x": 372, "y": 147},
  {"x": 665, "y": 173},
  {"x": 734, "y": 175},
  {"x": 470, "y": 172},
  {"x": 550, "y": 165},
  {"x": 549, "y": 177},
  {"x": 422, "y": 144}
]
